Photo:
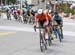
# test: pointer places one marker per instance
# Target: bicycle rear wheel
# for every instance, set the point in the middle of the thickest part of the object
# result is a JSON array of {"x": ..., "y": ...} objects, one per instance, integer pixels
[{"x": 59, "y": 34}]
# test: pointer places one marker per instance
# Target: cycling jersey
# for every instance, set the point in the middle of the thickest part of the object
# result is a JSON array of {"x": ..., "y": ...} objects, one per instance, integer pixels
[
  {"x": 41, "y": 17},
  {"x": 58, "y": 19},
  {"x": 18, "y": 11}
]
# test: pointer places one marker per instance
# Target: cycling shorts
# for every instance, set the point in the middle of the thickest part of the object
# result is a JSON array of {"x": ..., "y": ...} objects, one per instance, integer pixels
[
  {"x": 58, "y": 22},
  {"x": 41, "y": 23}
]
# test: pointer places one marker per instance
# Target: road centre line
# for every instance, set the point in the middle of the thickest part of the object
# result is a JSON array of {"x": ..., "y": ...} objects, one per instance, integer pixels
[{"x": 6, "y": 33}]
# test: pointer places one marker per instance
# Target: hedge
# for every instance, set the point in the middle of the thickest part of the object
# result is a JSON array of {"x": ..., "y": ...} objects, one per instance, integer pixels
[{"x": 65, "y": 8}]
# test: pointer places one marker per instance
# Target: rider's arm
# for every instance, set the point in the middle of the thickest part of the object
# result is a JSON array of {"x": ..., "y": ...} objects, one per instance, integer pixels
[
  {"x": 46, "y": 18},
  {"x": 35, "y": 23},
  {"x": 61, "y": 18},
  {"x": 53, "y": 20},
  {"x": 50, "y": 17}
]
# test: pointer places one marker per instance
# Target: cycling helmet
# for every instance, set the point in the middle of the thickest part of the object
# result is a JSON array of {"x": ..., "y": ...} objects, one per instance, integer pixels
[
  {"x": 56, "y": 13},
  {"x": 40, "y": 11}
]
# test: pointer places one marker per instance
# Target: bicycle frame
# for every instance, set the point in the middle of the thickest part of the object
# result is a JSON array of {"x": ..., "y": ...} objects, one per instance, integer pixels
[{"x": 43, "y": 40}]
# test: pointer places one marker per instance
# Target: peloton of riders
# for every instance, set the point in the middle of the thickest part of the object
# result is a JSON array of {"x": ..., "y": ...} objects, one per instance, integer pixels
[{"x": 47, "y": 18}]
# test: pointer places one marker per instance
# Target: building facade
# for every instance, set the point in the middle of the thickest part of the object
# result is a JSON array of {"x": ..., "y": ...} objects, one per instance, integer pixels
[{"x": 2, "y": 2}]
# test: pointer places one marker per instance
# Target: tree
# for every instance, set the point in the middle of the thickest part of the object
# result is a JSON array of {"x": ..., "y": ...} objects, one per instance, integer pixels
[
  {"x": 66, "y": 8},
  {"x": 43, "y": 1},
  {"x": 11, "y": 1},
  {"x": 26, "y": 2}
]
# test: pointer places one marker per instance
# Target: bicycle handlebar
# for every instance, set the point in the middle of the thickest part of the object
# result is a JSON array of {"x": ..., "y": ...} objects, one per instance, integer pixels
[{"x": 37, "y": 28}]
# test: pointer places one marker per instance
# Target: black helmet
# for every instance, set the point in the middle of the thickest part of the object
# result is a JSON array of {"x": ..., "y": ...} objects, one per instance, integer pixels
[{"x": 56, "y": 13}]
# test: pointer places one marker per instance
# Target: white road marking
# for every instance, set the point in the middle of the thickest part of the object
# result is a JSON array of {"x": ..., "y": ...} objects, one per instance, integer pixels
[
  {"x": 69, "y": 33},
  {"x": 69, "y": 23},
  {"x": 27, "y": 29}
]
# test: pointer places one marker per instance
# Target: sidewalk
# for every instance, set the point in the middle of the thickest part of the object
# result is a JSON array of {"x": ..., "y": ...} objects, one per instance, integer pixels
[{"x": 4, "y": 16}]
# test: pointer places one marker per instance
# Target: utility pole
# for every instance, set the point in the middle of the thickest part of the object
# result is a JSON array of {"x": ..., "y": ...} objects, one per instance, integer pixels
[
  {"x": 38, "y": 2},
  {"x": 5, "y": 2},
  {"x": 45, "y": 4},
  {"x": 21, "y": 5},
  {"x": 1, "y": 2},
  {"x": 55, "y": 5}
]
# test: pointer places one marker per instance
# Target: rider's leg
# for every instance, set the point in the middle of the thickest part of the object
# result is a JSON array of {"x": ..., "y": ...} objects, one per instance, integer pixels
[
  {"x": 50, "y": 28},
  {"x": 61, "y": 32}
]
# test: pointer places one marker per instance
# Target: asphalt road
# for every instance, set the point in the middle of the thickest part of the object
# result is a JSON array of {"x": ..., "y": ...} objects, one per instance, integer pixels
[{"x": 20, "y": 39}]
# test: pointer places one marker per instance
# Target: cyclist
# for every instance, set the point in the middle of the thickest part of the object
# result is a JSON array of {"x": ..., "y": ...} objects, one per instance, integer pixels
[
  {"x": 41, "y": 19},
  {"x": 18, "y": 11},
  {"x": 20, "y": 18},
  {"x": 15, "y": 14},
  {"x": 8, "y": 14},
  {"x": 49, "y": 15},
  {"x": 57, "y": 19}
]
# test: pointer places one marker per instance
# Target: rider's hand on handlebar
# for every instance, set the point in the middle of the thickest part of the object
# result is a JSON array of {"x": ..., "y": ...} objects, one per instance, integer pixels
[{"x": 45, "y": 24}]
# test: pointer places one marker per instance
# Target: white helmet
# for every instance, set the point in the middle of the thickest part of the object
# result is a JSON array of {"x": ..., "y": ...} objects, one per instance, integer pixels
[{"x": 40, "y": 11}]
